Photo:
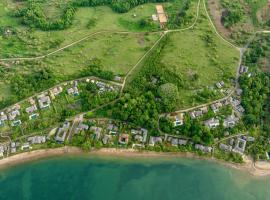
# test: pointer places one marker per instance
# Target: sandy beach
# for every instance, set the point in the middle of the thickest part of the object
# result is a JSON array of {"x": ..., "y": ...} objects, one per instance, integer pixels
[{"x": 258, "y": 169}]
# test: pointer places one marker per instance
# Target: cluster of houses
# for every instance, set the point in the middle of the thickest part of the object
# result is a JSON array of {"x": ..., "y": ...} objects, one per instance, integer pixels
[
  {"x": 16, "y": 146},
  {"x": 237, "y": 145},
  {"x": 229, "y": 122},
  {"x": 44, "y": 100}
]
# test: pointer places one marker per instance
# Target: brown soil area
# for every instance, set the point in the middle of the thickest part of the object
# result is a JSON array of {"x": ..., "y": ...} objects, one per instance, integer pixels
[
  {"x": 216, "y": 14},
  {"x": 263, "y": 15}
]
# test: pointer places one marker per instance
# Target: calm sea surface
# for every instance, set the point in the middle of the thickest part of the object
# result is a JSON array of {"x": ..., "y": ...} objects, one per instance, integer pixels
[{"x": 84, "y": 177}]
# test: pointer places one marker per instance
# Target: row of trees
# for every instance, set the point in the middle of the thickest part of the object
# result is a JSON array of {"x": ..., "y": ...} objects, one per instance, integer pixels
[
  {"x": 234, "y": 12},
  {"x": 34, "y": 16}
]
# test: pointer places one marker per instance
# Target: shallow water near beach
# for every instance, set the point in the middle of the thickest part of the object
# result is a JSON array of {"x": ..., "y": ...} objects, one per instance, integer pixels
[{"x": 85, "y": 177}]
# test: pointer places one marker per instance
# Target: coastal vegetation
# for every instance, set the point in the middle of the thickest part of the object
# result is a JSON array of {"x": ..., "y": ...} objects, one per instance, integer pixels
[{"x": 128, "y": 83}]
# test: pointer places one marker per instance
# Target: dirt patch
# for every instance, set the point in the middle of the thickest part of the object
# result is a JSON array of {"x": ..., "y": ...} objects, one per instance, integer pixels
[
  {"x": 263, "y": 15},
  {"x": 216, "y": 13},
  {"x": 141, "y": 40},
  {"x": 265, "y": 64}
]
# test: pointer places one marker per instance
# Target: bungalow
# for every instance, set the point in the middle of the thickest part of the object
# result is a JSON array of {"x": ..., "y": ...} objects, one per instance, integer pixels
[
  {"x": 81, "y": 127},
  {"x": 113, "y": 129},
  {"x": 161, "y": 16},
  {"x": 31, "y": 109},
  {"x": 16, "y": 123},
  {"x": 3, "y": 118},
  {"x": 230, "y": 121},
  {"x": 33, "y": 116},
  {"x": 239, "y": 92},
  {"x": 138, "y": 138},
  {"x": 13, "y": 148},
  {"x": 203, "y": 148},
  {"x": 243, "y": 69},
  {"x": 62, "y": 132},
  {"x": 73, "y": 91},
  {"x": 123, "y": 139},
  {"x": 196, "y": 114},
  {"x": 37, "y": 139},
  {"x": 97, "y": 132},
  {"x": 204, "y": 109},
  {"x": 225, "y": 147},
  {"x": 56, "y": 91},
  {"x": 182, "y": 142},
  {"x": 240, "y": 109},
  {"x": 174, "y": 142},
  {"x": 212, "y": 123},
  {"x": 248, "y": 138},
  {"x": 44, "y": 101},
  {"x": 235, "y": 102},
  {"x": 155, "y": 18},
  {"x": 220, "y": 84},
  {"x": 179, "y": 120},
  {"x": 2, "y": 150},
  {"x": 13, "y": 114},
  {"x": 144, "y": 134},
  {"x": 106, "y": 139},
  {"x": 240, "y": 146},
  {"x": 117, "y": 78},
  {"x": 216, "y": 106},
  {"x": 154, "y": 140},
  {"x": 25, "y": 146}
]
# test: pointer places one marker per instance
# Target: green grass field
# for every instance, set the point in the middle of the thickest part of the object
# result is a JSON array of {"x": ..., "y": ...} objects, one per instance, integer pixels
[
  {"x": 194, "y": 59},
  {"x": 117, "y": 52}
]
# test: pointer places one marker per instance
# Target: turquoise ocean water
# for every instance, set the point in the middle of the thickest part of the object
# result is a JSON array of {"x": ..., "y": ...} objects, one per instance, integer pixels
[{"x": 96, "y": 178}]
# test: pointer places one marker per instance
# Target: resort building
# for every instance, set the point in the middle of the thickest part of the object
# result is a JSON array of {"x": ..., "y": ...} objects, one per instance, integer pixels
[
  {"x": 123, "y": 139},
  {"x": 73, "y": 91},
  {"x": 62, "y": 132},
  {"x": 225, "y": 147},
  {"x": 203, "y": 148},
  {"x": 44, "y": 101},
  {"x": 162, "y": 17},
  {"x": 96, "y": 131},
  {"x": 154, "y": 140},
  {"x": 240, "y": 146},
  {"x": 230, "y": 121},
  {"x": 25, "y": 146},
  {"x": 37, "y": 139},
  {"x": 56, "y": 91}
]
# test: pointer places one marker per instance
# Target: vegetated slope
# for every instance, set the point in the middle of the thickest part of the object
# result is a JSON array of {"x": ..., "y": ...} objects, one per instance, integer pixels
[
  {"x": 194, "y": 60},
  {"x": 240, "y": 19}
]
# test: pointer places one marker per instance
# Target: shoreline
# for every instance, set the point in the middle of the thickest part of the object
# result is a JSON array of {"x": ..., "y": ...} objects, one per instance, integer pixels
[{"x": 259, "y": 169}]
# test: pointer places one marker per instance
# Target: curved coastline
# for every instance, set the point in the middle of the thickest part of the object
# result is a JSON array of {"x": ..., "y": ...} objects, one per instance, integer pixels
[{"x": 258, "y": 169}]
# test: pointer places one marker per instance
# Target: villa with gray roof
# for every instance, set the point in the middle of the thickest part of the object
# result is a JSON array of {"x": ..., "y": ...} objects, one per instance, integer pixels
[
  {"x": 154, "y": 140},
  {"x": 44, "y": 101},
  {"x": 62, "y": 132},
  {"x": 37, "y": 139},
  {"x": 240, "y": 146},
  {"x": 230, "y": 121},
  {"x": 203, "y": 148},
  {"x": 225, "y": 147},
  {"x": 212, "y": 123}
]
